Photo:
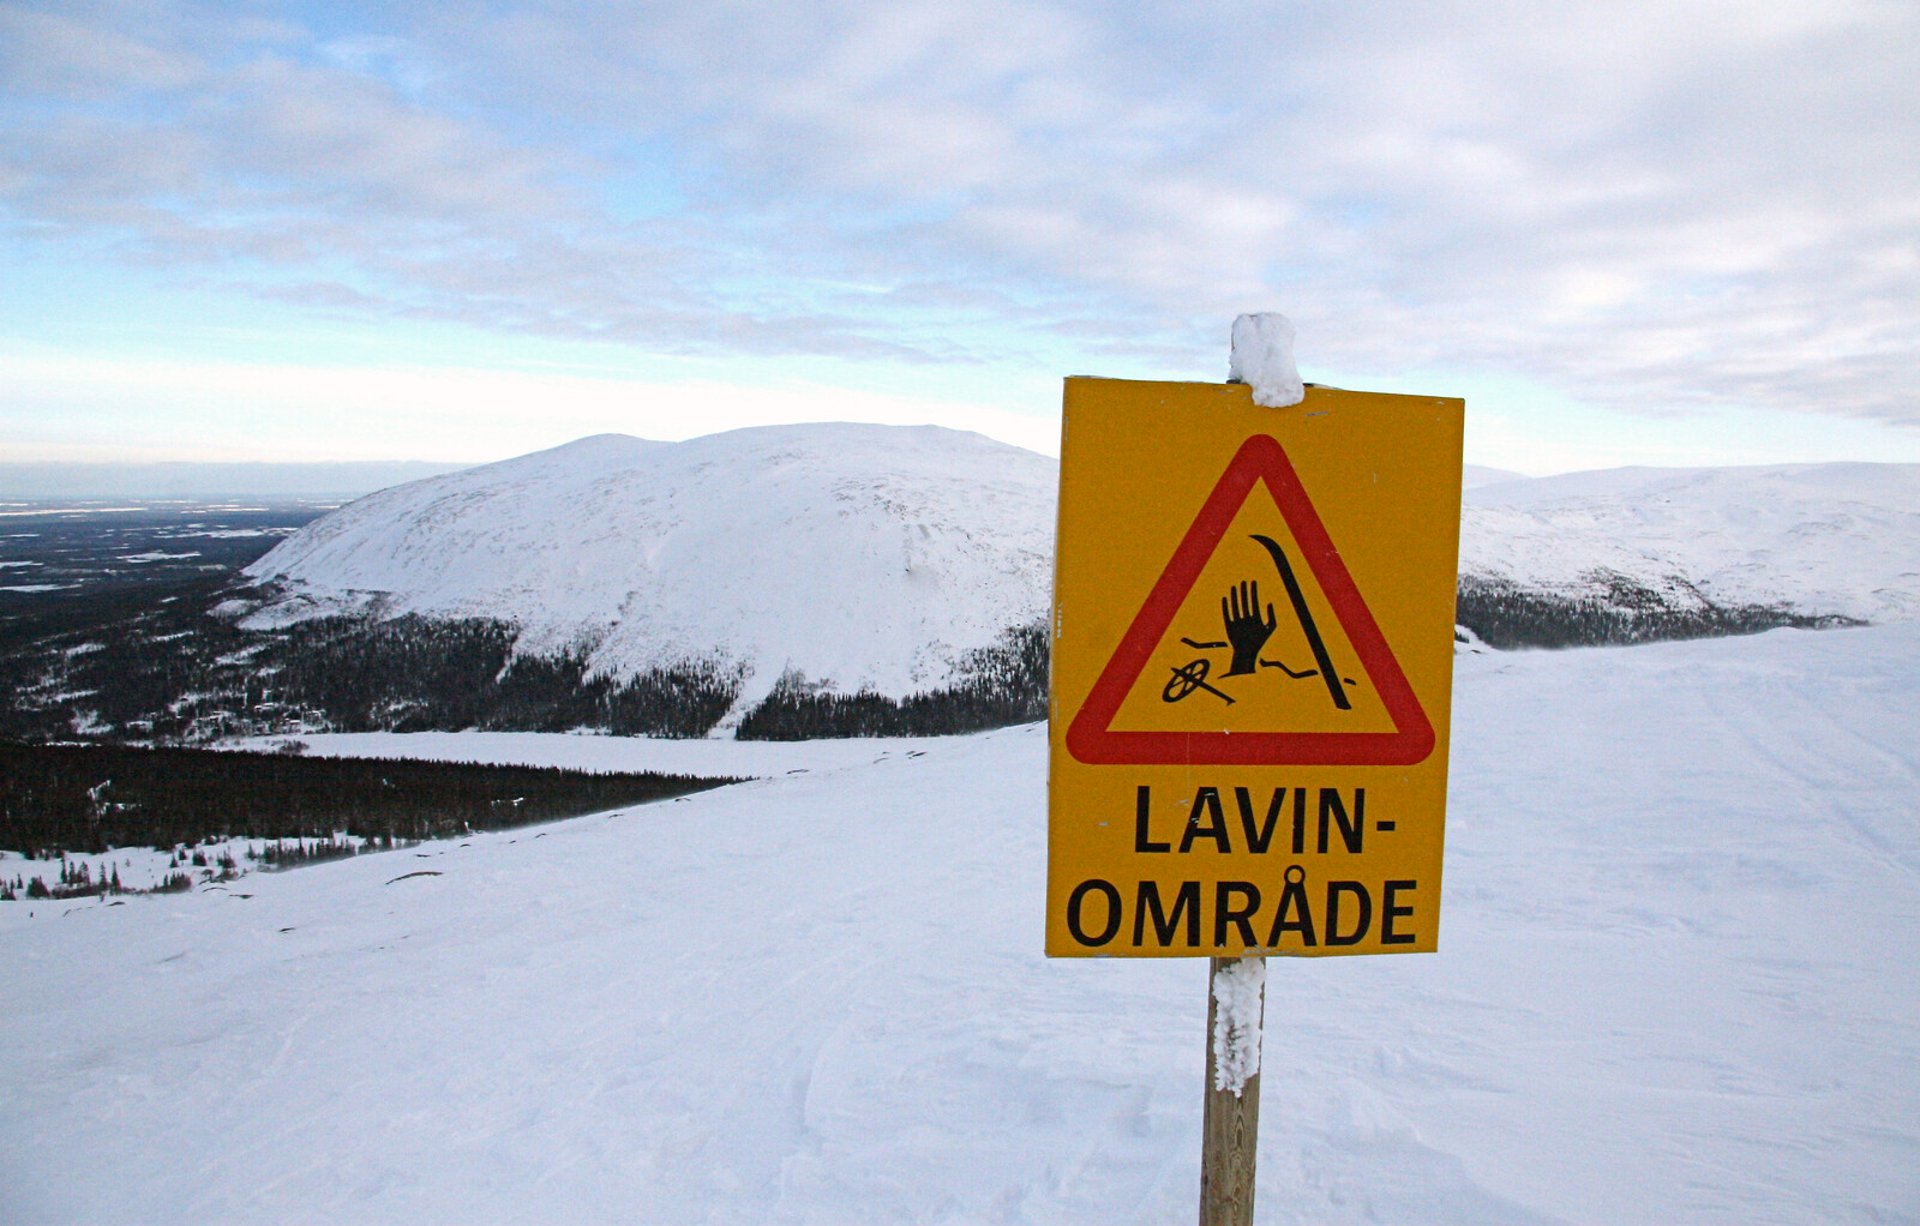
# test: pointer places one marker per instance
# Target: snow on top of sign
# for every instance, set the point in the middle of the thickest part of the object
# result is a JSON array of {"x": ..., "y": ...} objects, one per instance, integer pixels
[
  {"x": 1239, "y": 989},
  {"x": 1262, "y": 358}
]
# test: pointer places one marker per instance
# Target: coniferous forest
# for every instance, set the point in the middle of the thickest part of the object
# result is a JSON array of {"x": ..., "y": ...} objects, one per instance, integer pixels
[
  {"x": 87, "y": 798},
  {"x": 164, "y": 668},
  {"x": 174, "y": 674},
  {"x": 1618, "y": 612},
  {"x": 1000, "y": 685}
]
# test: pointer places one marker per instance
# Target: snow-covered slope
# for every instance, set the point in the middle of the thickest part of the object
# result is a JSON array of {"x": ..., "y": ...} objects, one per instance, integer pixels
[
  {"x": 876, "y": 557},
  {"x": 1674, "y": 984},
  {"x": 1825, "y": 538},
  {"x": 1479, "y": 474},
  {"x": 861, "y": 556}
]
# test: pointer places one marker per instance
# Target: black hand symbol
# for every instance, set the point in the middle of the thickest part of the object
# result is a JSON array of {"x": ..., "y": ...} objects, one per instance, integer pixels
[{"x": 1246, "y": 632}]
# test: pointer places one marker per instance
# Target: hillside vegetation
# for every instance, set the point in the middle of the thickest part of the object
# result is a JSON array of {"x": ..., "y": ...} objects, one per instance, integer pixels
[{"x": 59, "y": 798}]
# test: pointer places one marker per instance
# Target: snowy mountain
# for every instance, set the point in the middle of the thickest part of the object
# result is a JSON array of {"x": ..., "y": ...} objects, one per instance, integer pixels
[
  {"x": 1832, "y": 540},
  {"x": 834, "y": 580},
  {"x": 845, "y": 557},
  {"x": 1472, "y": 475},
  {"x": 875, "y": 558}
]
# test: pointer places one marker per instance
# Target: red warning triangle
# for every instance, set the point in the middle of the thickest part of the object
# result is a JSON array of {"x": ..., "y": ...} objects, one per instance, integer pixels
[{"x": 1091, "y": 737}]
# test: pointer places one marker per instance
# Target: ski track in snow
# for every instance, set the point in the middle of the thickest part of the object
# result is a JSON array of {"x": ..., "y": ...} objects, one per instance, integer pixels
[{"x": 1675, "y": 985}]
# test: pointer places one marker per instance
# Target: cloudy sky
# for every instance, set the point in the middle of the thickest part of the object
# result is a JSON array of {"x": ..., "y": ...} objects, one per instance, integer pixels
[{"x": 1664, "y": 233}]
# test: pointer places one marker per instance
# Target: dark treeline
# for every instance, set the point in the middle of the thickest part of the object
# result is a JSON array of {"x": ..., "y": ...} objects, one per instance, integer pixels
[
  {"x": 172, "y": 673},
  {"x": 85, "y": 798},
  {"x": 102, "y": 609},
  {"x": 175, "y": 675},
  {"x": 1505, "y": 615},
  {"x": 1000, "y": 685},
  {"x": 410, "y": 674}
]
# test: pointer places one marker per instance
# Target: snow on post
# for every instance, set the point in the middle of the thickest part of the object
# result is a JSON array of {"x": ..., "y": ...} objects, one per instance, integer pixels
[
  {"x": 1239, "y": 991},
  {"x": 1262, "y": 357}
]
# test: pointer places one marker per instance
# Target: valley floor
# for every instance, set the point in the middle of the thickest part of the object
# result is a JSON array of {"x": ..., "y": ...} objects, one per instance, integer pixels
[{"x": 1675, "y": 984}]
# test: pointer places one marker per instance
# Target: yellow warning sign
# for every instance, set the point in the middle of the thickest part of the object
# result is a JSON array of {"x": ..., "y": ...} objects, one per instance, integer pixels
[{"x": 1252, "y": 667}]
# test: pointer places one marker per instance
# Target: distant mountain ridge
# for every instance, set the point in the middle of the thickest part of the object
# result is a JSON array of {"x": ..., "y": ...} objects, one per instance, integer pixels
[
  {"x": 843, "y": 557},
  {"x": 191, "y": 479},
  {"x": 1472, "y": 475},
  {"x": 835, "y": 579},
  {"x": 1823, "y": 543},
  {"x": 850, "y": 559}
]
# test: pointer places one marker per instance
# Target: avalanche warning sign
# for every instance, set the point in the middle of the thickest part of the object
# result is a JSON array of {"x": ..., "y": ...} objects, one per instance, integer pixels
[
  {"x": 1254, "y": 686},
  {"x": 1252, "y": 668}
]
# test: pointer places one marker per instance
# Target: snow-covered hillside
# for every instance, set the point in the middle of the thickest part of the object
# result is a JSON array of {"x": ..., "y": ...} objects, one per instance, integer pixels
[
  {"x": 1674, "y": 985},
  {"x": 916, "y": 561},
  {"x": 1824, "y": 538},
  {"x": 864, "y": 557},
  {"x": 1479, "y": 474},
  {"x": 875, "y": 556}
]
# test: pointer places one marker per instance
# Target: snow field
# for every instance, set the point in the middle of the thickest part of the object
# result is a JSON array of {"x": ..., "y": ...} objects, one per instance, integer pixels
[{"x": 1674, "y": 985}]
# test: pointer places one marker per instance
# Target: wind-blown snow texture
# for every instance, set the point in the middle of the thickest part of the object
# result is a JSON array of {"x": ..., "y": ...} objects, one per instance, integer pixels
[
  {"x": 1675, "y": 984},
  {"x": 865, "y": 556}
]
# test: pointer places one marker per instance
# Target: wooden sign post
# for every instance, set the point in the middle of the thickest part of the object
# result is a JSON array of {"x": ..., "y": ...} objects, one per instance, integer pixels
[
  {"x": 1251, "y": 680},
  {"x": 1230, "y": 1126}
]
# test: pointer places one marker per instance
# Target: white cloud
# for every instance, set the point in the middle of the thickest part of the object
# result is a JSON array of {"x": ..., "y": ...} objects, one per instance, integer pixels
[
  {"x": 143, "y": 408},
  {"x": 46, "y": 52},
  {"x": 1648, "y": 204}
]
